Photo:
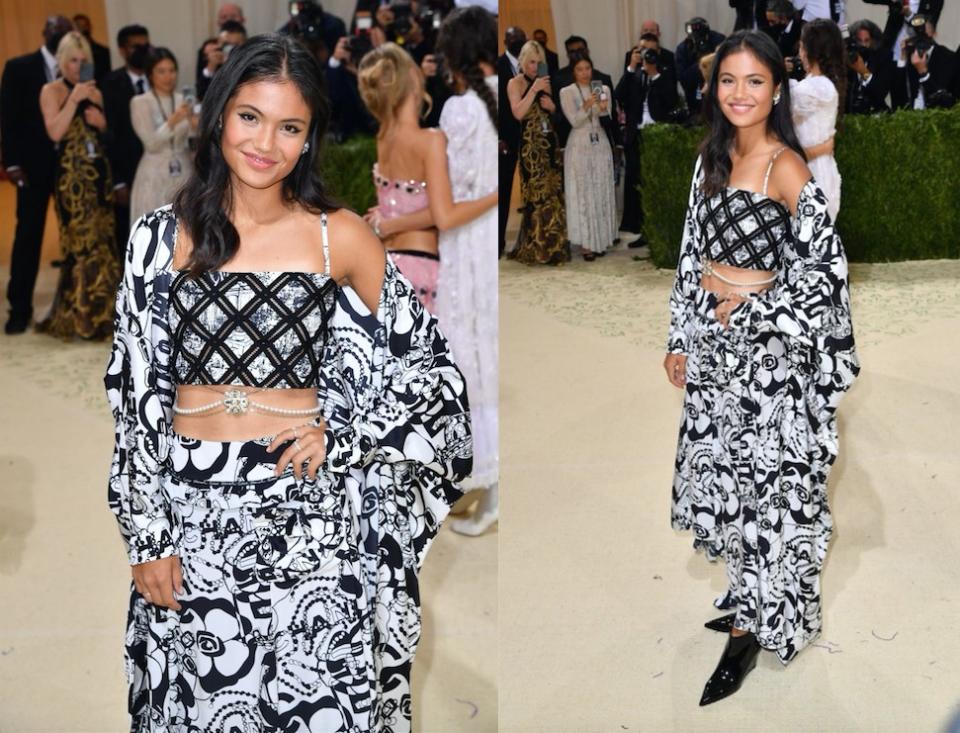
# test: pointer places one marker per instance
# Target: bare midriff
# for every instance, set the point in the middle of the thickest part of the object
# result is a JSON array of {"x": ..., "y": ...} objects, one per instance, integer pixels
[
  {"x": 743, "y": 281},
  {"x": 220, "y": 425},
  {"x": 422, "y": 240}
]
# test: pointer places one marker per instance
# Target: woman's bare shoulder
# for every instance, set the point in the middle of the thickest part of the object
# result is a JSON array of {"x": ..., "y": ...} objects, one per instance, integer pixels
[{"x": 788, "y": 177}]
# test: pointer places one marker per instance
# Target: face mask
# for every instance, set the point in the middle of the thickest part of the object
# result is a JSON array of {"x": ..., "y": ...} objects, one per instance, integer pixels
[
  {"x": 55, "y": 41},
  {"x": 515, "y": 47},
  {"x": 138, "y": 56}
]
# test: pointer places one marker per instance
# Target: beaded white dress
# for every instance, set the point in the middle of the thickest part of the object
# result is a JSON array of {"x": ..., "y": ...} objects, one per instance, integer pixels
[
  {"x": 467, "y": 303},
  {"x": 813, "y": 106}
]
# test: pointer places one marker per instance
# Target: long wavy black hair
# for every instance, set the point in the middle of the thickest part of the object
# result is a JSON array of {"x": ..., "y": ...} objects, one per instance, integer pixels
[
  {"x": 715, "y": 148},
  {"x": 467, "y": 38},
  {"x": 204, "y": 203},
  {"x": 822, "y": 42}
]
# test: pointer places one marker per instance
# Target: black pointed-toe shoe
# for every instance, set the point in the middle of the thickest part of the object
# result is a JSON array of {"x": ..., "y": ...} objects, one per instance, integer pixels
[
  {"x": 739, "y": 657},
  {"x": 724, "y": 623}
]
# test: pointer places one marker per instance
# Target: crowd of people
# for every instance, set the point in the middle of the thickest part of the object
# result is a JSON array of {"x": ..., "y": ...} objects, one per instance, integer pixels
[
  {"x": 196, "y": 230},
  {"x": 576, "y": 135}
]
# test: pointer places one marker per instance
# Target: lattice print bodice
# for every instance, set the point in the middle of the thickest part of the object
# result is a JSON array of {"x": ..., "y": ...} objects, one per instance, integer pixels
[
  {"x": 743, "y": 229},
  {"x": 258, "y": 329}
]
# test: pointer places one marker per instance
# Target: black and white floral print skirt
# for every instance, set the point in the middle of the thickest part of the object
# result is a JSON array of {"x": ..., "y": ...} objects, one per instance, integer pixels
[
  {"x": 276, "y": 630},
  {"x": 751, "y": 468}
]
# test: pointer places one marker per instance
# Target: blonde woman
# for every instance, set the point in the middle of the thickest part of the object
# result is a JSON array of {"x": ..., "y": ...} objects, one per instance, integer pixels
[
  {"x": 162, "y": 120},
  {"x": 543, "y": 230},
  {"x": 72, "y": 108},
  {"x": 414, "y": 197}
]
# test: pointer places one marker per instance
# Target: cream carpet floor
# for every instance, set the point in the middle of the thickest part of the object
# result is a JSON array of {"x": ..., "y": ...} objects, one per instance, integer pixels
[
  {"x": 602, "y": 603},
  {"x": 64, "y": 580}
]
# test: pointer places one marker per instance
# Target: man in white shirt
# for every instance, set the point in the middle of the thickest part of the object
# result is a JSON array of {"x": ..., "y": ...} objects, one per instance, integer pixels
[
  {"x": 29, "y": 160},
  {"x": 508, "y": 66}
]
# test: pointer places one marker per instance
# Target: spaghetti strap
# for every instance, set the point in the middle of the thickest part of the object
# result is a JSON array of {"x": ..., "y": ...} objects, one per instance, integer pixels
[
  {"x": 326, "y": 243},
  {"x": 766, "y": 178}
]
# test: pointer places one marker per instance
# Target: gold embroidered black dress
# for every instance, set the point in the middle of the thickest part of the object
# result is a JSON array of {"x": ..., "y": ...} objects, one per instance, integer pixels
[
  {"x": 543, "y": 229},
  {"x": 84, "y": 302}
]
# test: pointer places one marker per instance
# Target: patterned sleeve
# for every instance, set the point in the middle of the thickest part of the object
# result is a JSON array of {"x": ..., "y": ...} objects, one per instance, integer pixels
[
  {"x": 811, "y": 301},
  {"x": 412, "y": 397},
  {"x": 687, "y": 279},
  {"x": 141, "y": 430}
]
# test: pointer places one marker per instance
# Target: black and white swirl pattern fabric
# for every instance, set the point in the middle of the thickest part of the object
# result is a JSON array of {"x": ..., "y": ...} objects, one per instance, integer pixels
[
  {"x": 302, "y": 608},
  {"x": 758, "y": 433}
]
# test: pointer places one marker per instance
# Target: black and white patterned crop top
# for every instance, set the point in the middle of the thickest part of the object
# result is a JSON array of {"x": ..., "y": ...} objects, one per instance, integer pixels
[
  {"x": 744, "y": 228},
  {"x": 257, "y": 329}
]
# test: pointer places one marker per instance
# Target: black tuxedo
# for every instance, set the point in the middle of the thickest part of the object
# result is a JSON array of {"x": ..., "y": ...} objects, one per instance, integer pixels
[
  {"x": 564, "y": 78},
  {"x": 632, "y": 92},
  {"x": 125, "y": 148},
  {"x": 101, "y": 61},
  {"x": 509, "y": 134},
  {"x": 872, "y": 96},
  {"x": 942, "y": 68},
  {"x": 24, "y": 143}
]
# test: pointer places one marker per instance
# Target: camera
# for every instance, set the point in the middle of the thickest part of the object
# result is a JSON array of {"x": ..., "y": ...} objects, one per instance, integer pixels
[
  {"x": 855, "y": 51},
  {"x": 919, "y": 41},
  {"x": 306, "y": 20},
  {"x": 359, "y": 46},
  {"x": 698, "y": 34},
  {"x": 650, "y": 56}
]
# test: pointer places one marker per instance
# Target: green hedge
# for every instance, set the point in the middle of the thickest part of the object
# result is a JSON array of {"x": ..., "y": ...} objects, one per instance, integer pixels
[
  {"x": 901, "y": 186},
  {"x": 346, "y": 170}
]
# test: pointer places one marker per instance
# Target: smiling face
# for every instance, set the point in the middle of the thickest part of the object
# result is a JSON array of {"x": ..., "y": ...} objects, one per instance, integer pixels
[
  {"x": 265, "y": 126},
  {"x": 745, "y": 89}
]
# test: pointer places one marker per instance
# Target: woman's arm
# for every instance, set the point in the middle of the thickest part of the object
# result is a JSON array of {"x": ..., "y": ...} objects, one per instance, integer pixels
[
  {"x": 521, "y": 102},
  {"x": 141, "y": 117},
  {"x": 56, "y": 118},
  {"x": 576, "y": 115},
  {"x": 824, "y": 148},
  {"x": 445, "y": 213},
  {"x": 357, "y": 254}
]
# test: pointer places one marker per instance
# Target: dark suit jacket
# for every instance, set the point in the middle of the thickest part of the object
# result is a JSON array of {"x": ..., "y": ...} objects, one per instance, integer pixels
[
  {"x": 23, "y": 136},
  {"x": 906, "y": 81},
  {"x": 688, "y": 71},
  {"x": 553, "y": 61},
  {"x": 874, "y": 94},
  {"x": 929, "y": 8},
  {"x": 101, "y": 61},
  {"x": 634, "y": 89},
  {"x": 509, "y": 125},
  {"x": 124, "y": 149},
  {"x": 563, "y": 78}
]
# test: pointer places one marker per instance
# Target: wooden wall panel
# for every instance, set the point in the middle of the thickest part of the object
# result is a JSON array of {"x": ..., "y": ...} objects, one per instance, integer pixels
[
  {"x": 21, "y": 23},
  {"x": 529, "y": 14}
]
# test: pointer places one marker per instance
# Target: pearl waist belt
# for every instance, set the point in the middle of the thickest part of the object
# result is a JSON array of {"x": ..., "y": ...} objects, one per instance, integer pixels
[
  {"x": 708, "y": 270},
  {"x": 238, "y": 402}
]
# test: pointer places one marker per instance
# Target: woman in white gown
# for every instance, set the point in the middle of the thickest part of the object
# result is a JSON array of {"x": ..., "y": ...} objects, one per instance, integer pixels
[
  {"x": 466, "y": 304},
  {"x": 162, "y": 120},
  {"x": 588, "y": 163},
  {"x": 816, "y": 103}
]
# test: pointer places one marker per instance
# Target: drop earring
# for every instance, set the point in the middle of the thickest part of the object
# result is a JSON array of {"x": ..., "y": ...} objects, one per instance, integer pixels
[
  {"x": 306, "y": 147},
  {"x": 776, "y": 98}
]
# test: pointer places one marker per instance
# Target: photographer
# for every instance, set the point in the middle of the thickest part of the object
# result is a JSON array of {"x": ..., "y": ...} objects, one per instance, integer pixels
[
  {"x": 699, "y": 42},
  {"x": 348, "y": 114},
  {"x": 232, "y": 34},
  {"x": 870, "y": 69},
  {"x": 925, "y": 74},
  {"x": 782, "y": 23},
  {"x": 666, "y": 59},
  {"x": 898, "y": 15},
  {"x": 648, "y": 95}
]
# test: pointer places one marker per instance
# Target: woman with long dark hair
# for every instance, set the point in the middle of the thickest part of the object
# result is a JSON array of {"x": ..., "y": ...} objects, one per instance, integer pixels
[
  {"x": 162, "y": 119},
  {"x": 816, "y": 103},
  {"x": 290, "y": 426},
  {"x": 762, "y": 343}
]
